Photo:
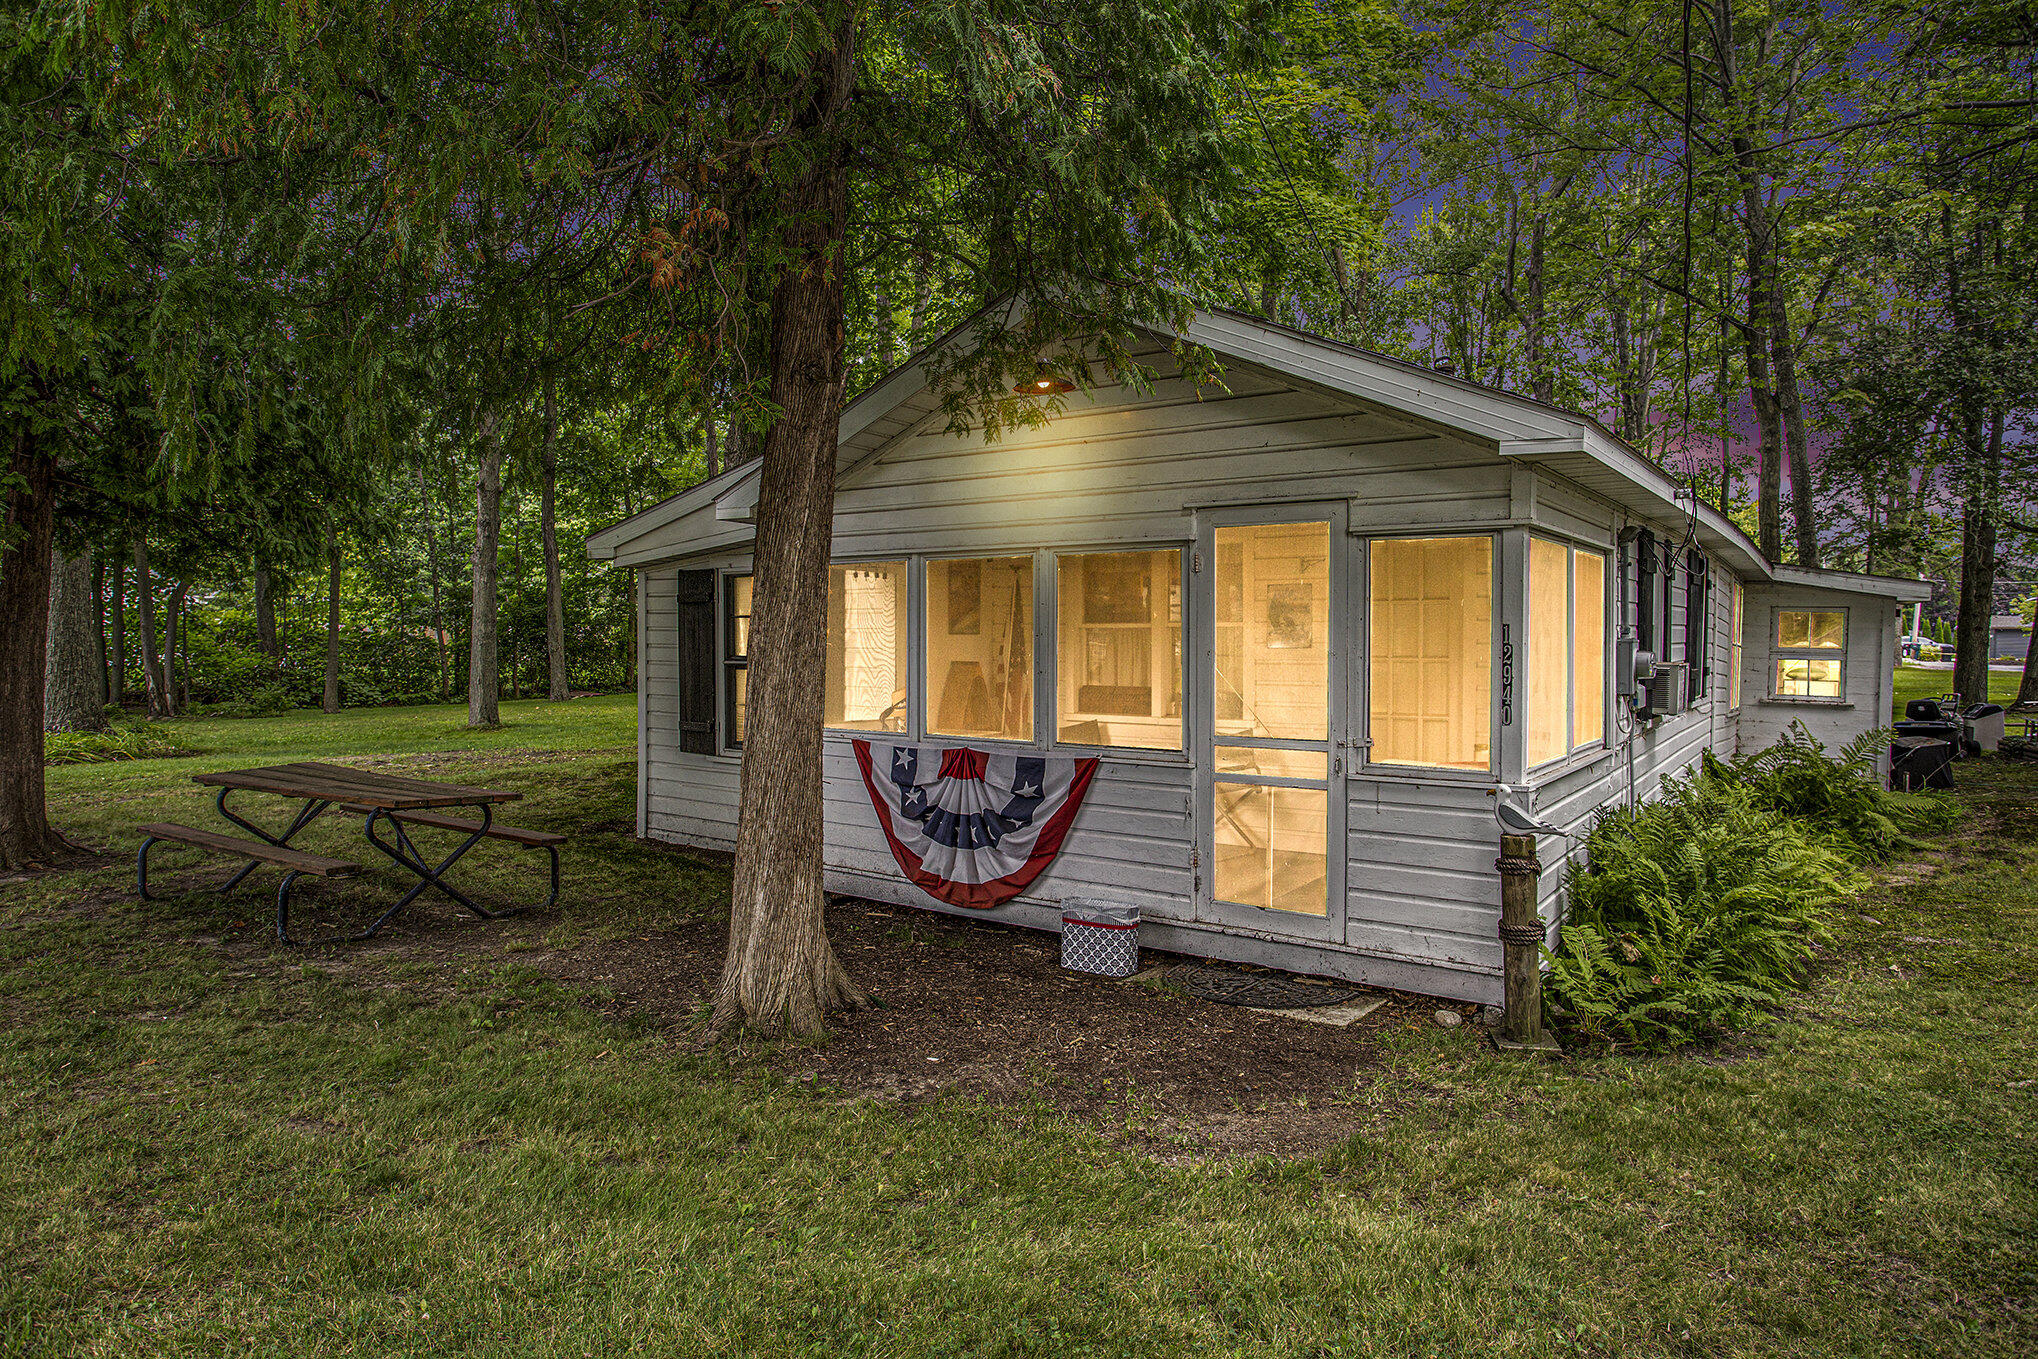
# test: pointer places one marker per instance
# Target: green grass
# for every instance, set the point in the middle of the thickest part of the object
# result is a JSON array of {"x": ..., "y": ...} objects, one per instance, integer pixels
[{"x": 208, "y": 1146}]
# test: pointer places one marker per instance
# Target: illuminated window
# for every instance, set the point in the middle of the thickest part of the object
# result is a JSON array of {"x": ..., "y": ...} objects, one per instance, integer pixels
[
  {"x": 1273, "y": 632},
  {"x": 866, "y": 685},
  {"x": 1119, "y": 652},
  {"x": 1734, "y": 649},
  {"x": 1432, "y": 652},
  {"x": 1588, "y": 648},
  {"x": 1809, "y": 654},
  {"x": 1270, "y": 846},
  {"x": 980, "y": 647},
  {"x": 1566, "y": 650},
  {"x": 735, "y": 657}
]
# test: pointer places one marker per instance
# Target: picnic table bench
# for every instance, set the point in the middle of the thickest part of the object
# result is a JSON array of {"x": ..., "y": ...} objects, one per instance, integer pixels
[{"x": 387, "y": 803}]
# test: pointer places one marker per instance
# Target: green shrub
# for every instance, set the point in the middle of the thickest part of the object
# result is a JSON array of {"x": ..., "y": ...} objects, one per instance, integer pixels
[
  {"x": 271, "y": 700},
  {"x": 131, "y": 741},
  {"x": 1700, "y": 911}
]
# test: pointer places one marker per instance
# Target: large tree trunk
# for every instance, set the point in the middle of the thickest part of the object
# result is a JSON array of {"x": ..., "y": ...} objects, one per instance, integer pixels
[
  {"x": 25, "y": 532},
  {"x": 265, "y": 618},
  {"x": 158, "y": 691},
  {"x": 331, "y": 702},
  {"x": 484, "y": 682},
  {"x": 1791, "y": 414},
  {"x": 74, "y": 678},
  {"x": 2027, "y": 688},
  {"x": 548, "y": 531},
  {"x": 117, "y": 652},
  {"x": 781, "y": 974}
]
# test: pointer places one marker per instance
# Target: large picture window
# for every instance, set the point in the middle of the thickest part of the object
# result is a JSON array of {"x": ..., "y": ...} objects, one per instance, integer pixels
[
  {"x": 1119, "y": 649},
  {"x": 1431, "y": 651},
  {"x": 1566, "y": 650},
  {"x": 1809, "y": 655},
  {"x": 979, "y": 635},
  {"x": 866, "y": 682}
]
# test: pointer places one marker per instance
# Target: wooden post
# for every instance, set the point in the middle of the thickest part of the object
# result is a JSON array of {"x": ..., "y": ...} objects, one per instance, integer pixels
[{"x": 1521, "y": 943}]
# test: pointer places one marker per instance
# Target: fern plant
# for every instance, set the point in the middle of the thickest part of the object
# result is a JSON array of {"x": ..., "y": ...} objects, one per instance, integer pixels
[{"x": 1700, "y": 911}]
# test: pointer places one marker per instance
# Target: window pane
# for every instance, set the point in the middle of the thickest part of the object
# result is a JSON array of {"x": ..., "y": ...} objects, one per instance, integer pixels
[
  {"x": 1273, "y": 631},
  {"x": 1588, "y": 648},
  {"x": 1810, "y": 629},
  {"x": 980, "y": 647},
  {"x": 736, "y": 637},
  {"x": 1432, "y": 652},
  {"x": 1734, "y": 651},
  {"x": 1270, "y": 847},
  {"x": 1273, "y": 764},
  {"x": 1119, "y": 619},
  {"x": 866, "y": 685},
  {"x": 1804, "y": 678},
  {"x": 1549, "y": 650},
  {"x": 739, "y": 702}
]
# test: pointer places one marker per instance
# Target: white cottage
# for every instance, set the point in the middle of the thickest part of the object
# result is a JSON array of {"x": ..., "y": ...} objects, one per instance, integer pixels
[{"x": 1308, "y": 622}]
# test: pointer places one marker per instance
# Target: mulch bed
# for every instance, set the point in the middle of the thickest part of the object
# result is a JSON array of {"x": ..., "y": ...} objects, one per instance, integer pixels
[{"x": 973, "y": 1009}]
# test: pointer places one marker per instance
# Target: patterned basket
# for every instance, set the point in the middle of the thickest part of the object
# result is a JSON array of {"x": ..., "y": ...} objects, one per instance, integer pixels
[{"x": 1101, "y": 938}]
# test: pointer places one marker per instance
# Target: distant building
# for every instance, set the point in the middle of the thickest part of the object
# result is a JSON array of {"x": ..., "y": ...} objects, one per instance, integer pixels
[{"x": 2009, "y": 638}]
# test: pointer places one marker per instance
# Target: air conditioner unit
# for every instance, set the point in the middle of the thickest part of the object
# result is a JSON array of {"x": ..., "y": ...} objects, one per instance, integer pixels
[{"x": 1668, "y": 690}]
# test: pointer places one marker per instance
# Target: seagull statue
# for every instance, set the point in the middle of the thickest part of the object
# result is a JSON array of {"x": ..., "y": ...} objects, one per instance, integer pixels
[{"x": 1515, "y": 821}]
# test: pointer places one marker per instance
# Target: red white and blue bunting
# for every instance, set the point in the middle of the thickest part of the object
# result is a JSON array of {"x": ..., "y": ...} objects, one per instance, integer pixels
[{"x": 970, "y": 828}]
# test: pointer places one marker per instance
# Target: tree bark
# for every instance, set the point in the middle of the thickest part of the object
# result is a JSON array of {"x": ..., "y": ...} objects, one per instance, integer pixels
[
  {"x": 1972, "y": 633},
  {"x": 558, "y": 690},
  {"x": 432, "y": 573},
  {"x": 708, "y": 434},
  {"x": 265, "y": 618},
  {"x": 781, "y": 974},
  {"x": 99, "y": 652},
  {"x": 1791, "y": 416},
  {"x": 157, "y": 690},
  {"x": 173, "y": 624},
  {"x": 180, "y": 654},
  {"x": 117, "y": 657},
  {"x": 484, "y": 682},
  {"x": 74, "y": 682},
  {"x": 331, "y": 701},
  {"x": 2027, "y": 688},
  {"x": 26, "y": 529}
]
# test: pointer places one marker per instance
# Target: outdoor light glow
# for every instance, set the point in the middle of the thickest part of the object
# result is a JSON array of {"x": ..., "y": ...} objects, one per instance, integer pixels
[{"x": 1046, "y": 384}]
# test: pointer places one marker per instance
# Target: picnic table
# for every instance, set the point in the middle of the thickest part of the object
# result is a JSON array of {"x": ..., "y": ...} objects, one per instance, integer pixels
[{"x": 388, "y": 805}]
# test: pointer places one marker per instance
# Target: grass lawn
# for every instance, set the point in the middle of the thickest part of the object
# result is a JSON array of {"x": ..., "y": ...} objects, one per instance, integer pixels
[
  {"x": 213, "y": 1145},
  {"x": 1916, "y": 682}
]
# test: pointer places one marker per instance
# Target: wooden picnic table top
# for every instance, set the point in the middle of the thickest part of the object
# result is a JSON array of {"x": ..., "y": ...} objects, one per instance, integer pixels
[{"x": 313, "y": 779}]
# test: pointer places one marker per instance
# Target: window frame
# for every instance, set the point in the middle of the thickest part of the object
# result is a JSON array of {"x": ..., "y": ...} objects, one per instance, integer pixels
[
  {"x": 1779, "y": 653},
  {"x": 1573, "y": 747},
  {"x": 726, "y": 662},
  {"x": 907, "y": 652},
  {"x": 1361, "y": 684},
  {"x": 1047, "y": 619},
  {"x": 1737, "y": 659},
  {"x": 920, "y": 688}
]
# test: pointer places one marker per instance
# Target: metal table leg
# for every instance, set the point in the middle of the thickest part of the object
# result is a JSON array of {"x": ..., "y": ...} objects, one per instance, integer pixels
[
  {"x": 406, "y": 855},
  {"x": 305, "y": 817}
]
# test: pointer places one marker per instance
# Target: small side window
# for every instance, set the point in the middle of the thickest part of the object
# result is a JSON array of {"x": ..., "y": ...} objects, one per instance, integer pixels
[
  {"x": 735, "y": 657},
  {"x": 1808, "y": 654}
]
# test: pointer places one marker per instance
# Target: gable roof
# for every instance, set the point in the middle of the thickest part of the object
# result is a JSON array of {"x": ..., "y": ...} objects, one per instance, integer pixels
[{"x": 1567, "y": 443}]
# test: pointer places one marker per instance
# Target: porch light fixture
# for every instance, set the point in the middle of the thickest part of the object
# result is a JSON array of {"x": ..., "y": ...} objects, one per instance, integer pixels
[{"x": 1045, "y": 383}]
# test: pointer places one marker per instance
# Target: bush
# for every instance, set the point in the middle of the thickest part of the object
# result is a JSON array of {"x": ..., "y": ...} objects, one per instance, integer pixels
[
  {"x": 1700, "y": 911},
  {"x": 270, "y": 701},
  {"x": 131, "y": 741}
]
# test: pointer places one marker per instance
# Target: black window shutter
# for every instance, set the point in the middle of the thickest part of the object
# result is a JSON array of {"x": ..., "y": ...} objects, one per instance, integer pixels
[
  {"x": 1698, "y": 620},
  {"x": 1645, "y": 593},
  {"x": 697, "y": 662}
]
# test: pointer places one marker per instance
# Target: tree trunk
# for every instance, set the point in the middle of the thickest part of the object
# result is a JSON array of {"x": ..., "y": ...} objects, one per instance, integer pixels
[
  {"x": 26, "y": 528},
  {"x": 74, "y": 683},
  {"x": 173, "y": 623},
  {"x": 432, "y": 572},
  {"x": 781, "y": 974},
  {"x": 331, "y": 702},
  {"x": 708, "y": 434},
  {"x": 1791, "y": 415},
  {"x": 265, "y": 619},
  {"x": 182, "y": 655},
  {"x": 923, "y": 295},
  {"x": 484, "y": 682},
  {"x": 99, "y": 651},
  {"x": 157, "y": 690},
  {"x": 2027, "y": 688},
  {"x": 1972, "y": 633},
  {"x": 548, "y": 530},
  {"x": 117, "y": 657},
  {"x": 1542, "y": 376}
]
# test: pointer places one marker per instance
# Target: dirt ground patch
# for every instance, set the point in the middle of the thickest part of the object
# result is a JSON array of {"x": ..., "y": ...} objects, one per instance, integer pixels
[{"x": 960, "y": 1008}]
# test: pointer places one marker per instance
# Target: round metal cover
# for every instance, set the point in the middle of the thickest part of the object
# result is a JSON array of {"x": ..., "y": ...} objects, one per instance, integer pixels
[{"x": 1260, "y": 990}]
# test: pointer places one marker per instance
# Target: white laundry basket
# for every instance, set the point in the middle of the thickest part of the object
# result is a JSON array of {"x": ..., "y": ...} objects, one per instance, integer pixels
[{"x": 1100, "y": 937}]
